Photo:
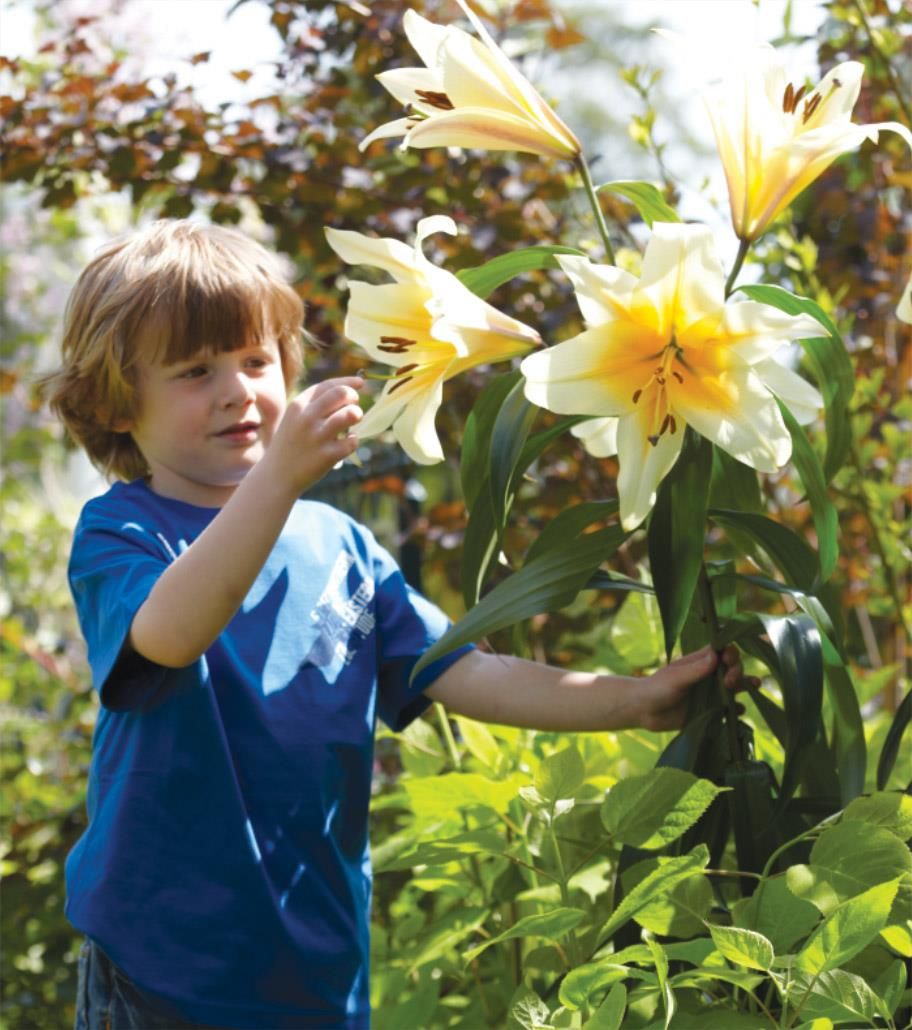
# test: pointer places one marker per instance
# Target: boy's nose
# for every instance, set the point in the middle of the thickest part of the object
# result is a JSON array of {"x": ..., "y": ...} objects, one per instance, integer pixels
[{"x": 237, "y": 389}]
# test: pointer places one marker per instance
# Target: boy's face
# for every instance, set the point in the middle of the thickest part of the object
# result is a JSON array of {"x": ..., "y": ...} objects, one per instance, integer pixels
[{"x": 202, "y": 424}]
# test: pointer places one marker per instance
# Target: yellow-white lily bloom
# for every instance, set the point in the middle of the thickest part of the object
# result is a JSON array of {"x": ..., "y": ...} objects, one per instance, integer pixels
[
  {"x": 904, "y": 311},
  {"x": 665, "y": 351},
  {"x": 427, "y": 325},
  {"x": 775, "y": 138},
  {"x": 469, "y": 95}
]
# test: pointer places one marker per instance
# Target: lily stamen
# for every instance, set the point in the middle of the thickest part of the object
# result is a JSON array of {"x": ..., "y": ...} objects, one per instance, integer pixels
[
  {"x": 395, "y": 344},
  {"x": 400, "y": 382},
  {"x": 439, "y": 100},
  {"x": 810, "y": 106}
]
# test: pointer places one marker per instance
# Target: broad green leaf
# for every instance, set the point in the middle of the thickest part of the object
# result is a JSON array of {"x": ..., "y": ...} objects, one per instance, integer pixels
[
  {"x": 545, "y": 584},
  {"x": 681, "y": 911},
  {"x": 660, "y": 962},
  {"x": 636, "y": 631},
  {"x": 684, "y": 749},
  {"x": 832, "y": 369},
  {"x": 899, "y": 938},
  {"x": 441, "y": 796},
  {"x": 703, "y": 976},
  {"x": 581, "y": 983},
  {"x": 796, "y": 642},
  {"x": 848, "y": 929},
  {"x": 560, "y": 775},
  {"x": 652, "y": 810},
  {"x": 551, "y": 925},
  {"x": 890, "y": 810},
  {"x": 823, "y": 510},
  {"x": 676, "y": 534},
  {"x": 508, "y": 437},
  {"x": 847, "y": 860},
  {"x": 447, "y": 931},
  {"x": 528, "y": 1011},
  {"x": 480, "y": 742},
  {"x": 743, "y": 947},
  {"x": 776, "y": 913},
  {"x": 485, "y": 279},
  {"x": 792, "y": 554},
  {"x": 646, "y": 198},
  {"x": 610, "y": 1014},
  {"x": 569, "y": 524},
  {"x": 661, "y": 880},
  {"x": 890, "y": 986},
  {"x": 420, "y": 749},
  {"x": 444, "y": 850},
  {"x": 890, "y": 750},
  {"x": 837, "y": 995}
]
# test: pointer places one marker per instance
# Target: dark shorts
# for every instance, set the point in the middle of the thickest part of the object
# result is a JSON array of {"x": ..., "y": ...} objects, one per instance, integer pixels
[{"x": 106, "y": 999}]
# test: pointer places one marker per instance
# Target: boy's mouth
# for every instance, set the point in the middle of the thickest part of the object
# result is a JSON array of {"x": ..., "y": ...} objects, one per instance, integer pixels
[{"x": 239, "y": 429}]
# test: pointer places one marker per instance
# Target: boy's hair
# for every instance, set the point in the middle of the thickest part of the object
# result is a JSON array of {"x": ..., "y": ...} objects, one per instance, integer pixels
[{"x": 163, "y": 293}]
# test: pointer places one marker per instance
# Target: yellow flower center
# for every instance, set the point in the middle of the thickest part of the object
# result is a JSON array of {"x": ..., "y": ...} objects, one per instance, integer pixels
[{"x": 654, "y": 393}]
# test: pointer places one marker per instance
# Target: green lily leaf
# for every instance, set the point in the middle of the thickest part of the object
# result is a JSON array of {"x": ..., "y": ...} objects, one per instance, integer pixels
[
  {"x": 485, "y": 279},
  {"x": 646, "y": 198},
  {"x": 824, "y": 511},
  {"x": 890, "y": 749},
  {"x": 569, "y": 524},
  {"x": 792, "y": 554},
  {"x": 676, "y": 534},
  {"x": 476, "y": 438},
  {"x": 508, "y": 437},
  {"x": 832, "y": 367},
  {"x": 796, "y": 641},
  {"x": 545, "y": 584}
]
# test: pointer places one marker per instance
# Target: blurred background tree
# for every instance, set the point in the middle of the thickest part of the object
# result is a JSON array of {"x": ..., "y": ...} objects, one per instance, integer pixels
[{"x": 93, "y": 142}]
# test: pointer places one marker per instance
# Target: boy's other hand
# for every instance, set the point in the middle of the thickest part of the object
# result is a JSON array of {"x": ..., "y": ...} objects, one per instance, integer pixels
[
  {"x": 313, "y": 435},
  {"x": 665, "y": 693}
]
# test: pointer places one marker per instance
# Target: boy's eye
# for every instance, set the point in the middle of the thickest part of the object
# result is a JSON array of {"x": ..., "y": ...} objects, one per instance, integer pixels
[{"x": 193, "y": 373}]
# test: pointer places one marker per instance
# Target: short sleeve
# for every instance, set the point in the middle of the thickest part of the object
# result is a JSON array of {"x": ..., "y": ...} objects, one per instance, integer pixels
[
  {"x": 113, "y": 567},
  {"x": 407, "y": 625}
]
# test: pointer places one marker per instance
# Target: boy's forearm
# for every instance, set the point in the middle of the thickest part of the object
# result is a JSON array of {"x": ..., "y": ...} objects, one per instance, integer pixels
[
  {"x": 515, "y": 692},
  {"x": 199, "y": 593}
]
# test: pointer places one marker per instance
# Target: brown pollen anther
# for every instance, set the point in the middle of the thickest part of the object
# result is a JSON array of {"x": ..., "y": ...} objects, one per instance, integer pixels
[
  {"x": 439, "y": 100},
  {"x": 788, "y": 99},
  {"x": 400, "y": 382},
  {"x": 405, "y": 368},
  {"x": 810, "y": 106},
  {"x": 395, "y": 344},
  {"x": 677, "y": 375},
  {"x": 637, "y": 394}
]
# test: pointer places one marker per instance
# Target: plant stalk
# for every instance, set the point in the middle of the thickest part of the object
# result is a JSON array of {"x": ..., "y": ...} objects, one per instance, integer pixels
[
  {"x": 586, "y": 176},
  {"x": 744, "y": 247}
]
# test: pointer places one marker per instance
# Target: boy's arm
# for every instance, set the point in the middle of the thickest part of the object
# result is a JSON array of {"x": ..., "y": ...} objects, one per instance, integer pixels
[
  {"x": 515, "y": 692},
  {"x": 199, "y": 593}
]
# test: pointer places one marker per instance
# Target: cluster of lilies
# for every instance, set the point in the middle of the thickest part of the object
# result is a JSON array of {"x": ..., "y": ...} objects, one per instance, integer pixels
[{"x": 661, "y": 351}]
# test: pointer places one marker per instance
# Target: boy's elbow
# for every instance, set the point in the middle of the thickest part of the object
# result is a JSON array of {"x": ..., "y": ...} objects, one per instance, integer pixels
[{"x": 167, "y": 652}]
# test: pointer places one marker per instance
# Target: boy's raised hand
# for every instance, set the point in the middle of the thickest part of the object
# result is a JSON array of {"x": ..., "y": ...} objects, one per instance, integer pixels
[{"x": 313, "y": 435}]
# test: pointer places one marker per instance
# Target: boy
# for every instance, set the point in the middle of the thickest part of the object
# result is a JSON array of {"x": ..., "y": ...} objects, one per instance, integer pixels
[{"x": 243, "y": 642}]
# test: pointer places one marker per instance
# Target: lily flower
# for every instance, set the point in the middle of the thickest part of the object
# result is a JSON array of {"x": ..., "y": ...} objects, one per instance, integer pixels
[
  {"x": 904, "y": 311},
  {"x": 665, "y": 351},
  {"x": 775, "y": 137},
  {"x": 469, "y": 94},
  {"x": 427, "y": 326}
]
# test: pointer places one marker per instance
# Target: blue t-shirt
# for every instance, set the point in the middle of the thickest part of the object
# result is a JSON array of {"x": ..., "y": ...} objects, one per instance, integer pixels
[{"x": 225, "y": 867}]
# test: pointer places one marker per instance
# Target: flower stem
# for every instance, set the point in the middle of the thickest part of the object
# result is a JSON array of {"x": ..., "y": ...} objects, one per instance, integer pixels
[
  {"x": 583, "y": 169},
  {"x": 725, "y": 696},
  {"x": 736, "y": 267}
]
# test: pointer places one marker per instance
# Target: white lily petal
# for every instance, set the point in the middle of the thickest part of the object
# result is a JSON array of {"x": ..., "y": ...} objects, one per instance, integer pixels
[
  {"x": 355, "y": 248},
  {"x": 425, "y": 36},
  {"x": 570, "y": 378},
  {"x": 682, "y": 276},
  {"x": 415, "y": 429},
  {"x": 404, "y": 84},
  {"x": 389, "y": 130},
  {"x": 802, "y": 399},
  {"x": 598, "y": 436},
  {"x": 757, "y": 331},
  {"x": 602, "y": 291},
  {"x": 642, "y": 466},
  {"x": 755, "y": 434},
  {"x": 482, "y": 128}
]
